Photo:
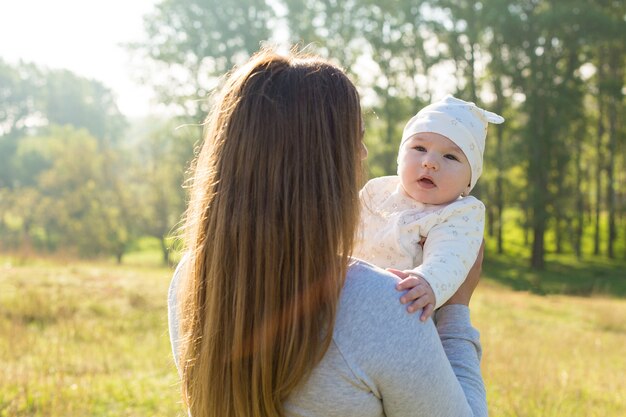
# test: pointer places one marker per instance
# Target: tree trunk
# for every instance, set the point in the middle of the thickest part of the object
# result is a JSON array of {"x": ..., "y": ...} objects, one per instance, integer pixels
[
  {"x": 537, "y": 259},
  {"x": 559, "y": 223},
  {"x": 599, "y": 154},
  {"x": 580, "y": 205},
  {"x": 616, "y": 76},
  {"x": 491, "y": 216},
  {"x": 610, "y": 186},
  {"x": 165, "y": 251},
  {"x": 596, "y": 231},
  {"x": 538, "y": 184},
  {"x": 499, "y": 194},
  {"x": 538, "y": 167}
]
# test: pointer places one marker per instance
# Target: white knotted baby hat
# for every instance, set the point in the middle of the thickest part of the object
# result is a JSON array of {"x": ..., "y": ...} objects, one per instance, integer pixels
[{"x": 462, "y": 122}]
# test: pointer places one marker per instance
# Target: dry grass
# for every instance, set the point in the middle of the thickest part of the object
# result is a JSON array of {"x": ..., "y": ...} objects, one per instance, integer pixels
[
  {"x": 552, "y": 355},
  {"x": 85, "y": 340}
]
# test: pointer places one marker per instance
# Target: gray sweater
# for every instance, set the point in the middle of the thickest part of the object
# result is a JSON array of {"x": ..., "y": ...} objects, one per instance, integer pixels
[{"x": 385, "y": 362}]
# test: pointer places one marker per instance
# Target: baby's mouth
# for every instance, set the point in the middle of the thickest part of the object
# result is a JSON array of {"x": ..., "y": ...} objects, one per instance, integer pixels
[{"x": 426, "y": 182}]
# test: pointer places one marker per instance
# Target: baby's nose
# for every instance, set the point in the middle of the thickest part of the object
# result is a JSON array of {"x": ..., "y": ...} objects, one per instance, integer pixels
[{"x": 429, "y": 163}]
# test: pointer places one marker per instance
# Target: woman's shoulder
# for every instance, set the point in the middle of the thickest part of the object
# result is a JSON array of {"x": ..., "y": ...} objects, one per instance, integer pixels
[
  {"x": 372, "y": 326},
  {"x": 370, "y": 303},
  {"x": 368, "y": 281}
]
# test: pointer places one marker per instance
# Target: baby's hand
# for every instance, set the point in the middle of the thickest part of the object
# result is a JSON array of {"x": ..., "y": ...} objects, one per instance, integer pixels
[{"x": 419, "y": 294}]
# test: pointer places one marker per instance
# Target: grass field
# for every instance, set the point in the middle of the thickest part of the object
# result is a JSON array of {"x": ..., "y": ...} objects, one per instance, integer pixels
[
  {"x": 90, "y": 339},
  {"x": 85, "y": 339}
]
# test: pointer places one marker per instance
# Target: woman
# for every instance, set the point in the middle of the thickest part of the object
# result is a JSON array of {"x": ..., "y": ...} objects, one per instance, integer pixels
[{"x": 269, "y": 315}]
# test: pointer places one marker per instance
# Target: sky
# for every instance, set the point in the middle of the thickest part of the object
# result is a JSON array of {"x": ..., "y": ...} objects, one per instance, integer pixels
[{"x": 84, "y": 37}]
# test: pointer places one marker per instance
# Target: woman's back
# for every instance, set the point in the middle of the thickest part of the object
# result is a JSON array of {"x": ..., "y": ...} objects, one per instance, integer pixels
[{"x": 379, "y": 351}]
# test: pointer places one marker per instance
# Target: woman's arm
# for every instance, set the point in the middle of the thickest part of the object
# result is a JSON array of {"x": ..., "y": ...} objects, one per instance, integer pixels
[
  {"x": 413, "y": 367},
  {"x": 461, "y": 343},
  {"x": 439, "y": 375},
  {"x": 449, "y": 326}
]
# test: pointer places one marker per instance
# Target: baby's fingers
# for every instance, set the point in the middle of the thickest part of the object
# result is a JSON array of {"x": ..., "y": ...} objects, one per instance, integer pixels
[
  {"x": 418, "y": 291},
  {"x": 427, "y": 312},
  {"x": 418, "y": 304},
  {"x": 409, "y": 282},
  {"x": 398, "y": 273}
]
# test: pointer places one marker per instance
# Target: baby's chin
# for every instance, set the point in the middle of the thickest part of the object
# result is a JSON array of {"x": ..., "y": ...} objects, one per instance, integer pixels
[{"x": 426, "y": 197}]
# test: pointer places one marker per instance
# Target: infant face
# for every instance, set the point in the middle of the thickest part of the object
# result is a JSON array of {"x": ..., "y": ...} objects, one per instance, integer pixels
[{"x": 433, "y": 169}]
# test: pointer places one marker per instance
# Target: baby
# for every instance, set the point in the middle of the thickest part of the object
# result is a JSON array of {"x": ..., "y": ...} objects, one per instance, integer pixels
[{"x": 423, "y": 221}]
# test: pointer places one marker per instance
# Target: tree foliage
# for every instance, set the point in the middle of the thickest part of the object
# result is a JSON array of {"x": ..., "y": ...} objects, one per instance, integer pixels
[
  {"x": 528, "y": 60},
  {"x": 56, "y": 151},
  {"x": 197, "y": 41}
]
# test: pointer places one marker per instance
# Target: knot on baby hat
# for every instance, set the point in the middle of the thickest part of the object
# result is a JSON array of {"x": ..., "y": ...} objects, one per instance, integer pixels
[{"x": 463, "y": 122}]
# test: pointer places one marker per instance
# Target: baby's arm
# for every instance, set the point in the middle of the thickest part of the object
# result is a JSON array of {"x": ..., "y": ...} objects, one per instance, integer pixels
[
  {"x": 454, "y": 237},
  {"x": 419, "y": 294},
  {"x": 451, "y": 247}
]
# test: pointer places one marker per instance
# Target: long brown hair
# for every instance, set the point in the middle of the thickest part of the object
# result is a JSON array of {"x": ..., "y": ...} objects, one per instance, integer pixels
[{"x": 269, "y": 229}]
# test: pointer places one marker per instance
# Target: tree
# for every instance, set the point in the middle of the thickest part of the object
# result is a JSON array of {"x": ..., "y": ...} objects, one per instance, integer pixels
[
  {"x": 82, "y": 103},
  {"x": 194, "y": 42},
  {"x": 161, "y": 158},
  {"x": 538, "y": 37},
  {"x": 64, "y": 202},
  {"x": 498, "y": 152},
  {"x": 462, "y": 35},
  {"x": 616, "y": 52},
  {"x": 20, "y": 95}
]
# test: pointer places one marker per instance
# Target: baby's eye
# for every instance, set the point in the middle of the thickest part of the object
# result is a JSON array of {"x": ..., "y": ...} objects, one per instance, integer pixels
[
  {"x": 452, "y": 157},
  {"x": 419, "y": 148}
]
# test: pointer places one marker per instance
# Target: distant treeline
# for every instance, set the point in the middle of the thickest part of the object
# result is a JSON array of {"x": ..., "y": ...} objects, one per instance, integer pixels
[{"x": 73, "y": 176}]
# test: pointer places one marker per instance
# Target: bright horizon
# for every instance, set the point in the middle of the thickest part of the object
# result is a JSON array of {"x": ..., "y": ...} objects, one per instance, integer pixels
[{"x": 83, "y": 37}]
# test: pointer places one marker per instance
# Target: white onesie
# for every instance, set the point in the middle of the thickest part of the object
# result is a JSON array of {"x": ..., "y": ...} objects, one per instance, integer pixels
[{"x": 393, "y": 224}]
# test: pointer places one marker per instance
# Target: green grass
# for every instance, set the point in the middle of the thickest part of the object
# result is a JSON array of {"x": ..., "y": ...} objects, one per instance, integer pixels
[
  {"x": 563, "y": 274},
  {"x": 90, "y": 339}
]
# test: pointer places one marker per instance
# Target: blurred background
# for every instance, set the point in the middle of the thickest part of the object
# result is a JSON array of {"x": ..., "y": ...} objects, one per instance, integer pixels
[
  {"x": 81, "y": 174},
  {"x": 101, "y": 106}
]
